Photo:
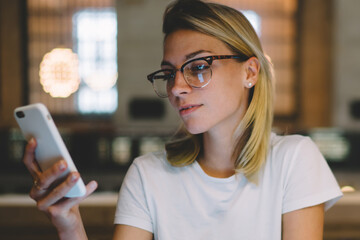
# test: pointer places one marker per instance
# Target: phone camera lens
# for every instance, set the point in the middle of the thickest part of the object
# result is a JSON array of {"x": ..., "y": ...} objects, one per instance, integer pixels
[{"x": 20, "y": 114}]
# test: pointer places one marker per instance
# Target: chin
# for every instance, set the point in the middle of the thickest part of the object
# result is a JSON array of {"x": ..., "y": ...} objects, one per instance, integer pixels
[{"x": 193, "y": 129}]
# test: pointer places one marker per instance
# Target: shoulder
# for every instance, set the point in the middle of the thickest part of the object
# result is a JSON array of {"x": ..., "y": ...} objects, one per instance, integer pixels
[
  {"x": 289, "y": 146},
  {"x": 283, "y": 142},
  {"x": 153, "y": 164},
  {"x": 146, "y": 170},
  {"x": 305, "y": 177},
  {"x": 292, "y": 152},
  {"x": 151, "y": 159}
]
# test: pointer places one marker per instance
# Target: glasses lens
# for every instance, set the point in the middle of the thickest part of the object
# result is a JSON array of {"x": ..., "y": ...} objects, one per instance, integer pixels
[
  {"x": 197, "y": 73},
  {"x": 161, "y": 81}
]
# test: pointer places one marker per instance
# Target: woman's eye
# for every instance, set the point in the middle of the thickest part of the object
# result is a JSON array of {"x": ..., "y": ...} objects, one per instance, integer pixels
[
  {"x": 198, "y": 68},
  {"x": 168, "y": 75}
]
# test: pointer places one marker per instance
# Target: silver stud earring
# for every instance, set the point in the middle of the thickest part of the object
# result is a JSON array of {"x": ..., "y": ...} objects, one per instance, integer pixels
[{"x": 249, "y": 84}]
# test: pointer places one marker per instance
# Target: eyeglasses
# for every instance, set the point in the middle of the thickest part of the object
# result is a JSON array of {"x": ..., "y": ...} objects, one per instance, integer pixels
[{"x": 197, "y": 74}]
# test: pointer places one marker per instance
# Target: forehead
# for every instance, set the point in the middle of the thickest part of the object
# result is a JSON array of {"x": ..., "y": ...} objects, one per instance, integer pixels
[{"x": 182, "y": 43}]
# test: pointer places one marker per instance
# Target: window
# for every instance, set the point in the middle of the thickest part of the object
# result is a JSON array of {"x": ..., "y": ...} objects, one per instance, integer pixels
[
  {"x": 95, "y": 43},
  {"x": 89, "y": 29}
]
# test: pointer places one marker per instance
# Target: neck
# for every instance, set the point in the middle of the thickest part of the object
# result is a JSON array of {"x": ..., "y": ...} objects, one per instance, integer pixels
[{"x": 217, "y": 160}]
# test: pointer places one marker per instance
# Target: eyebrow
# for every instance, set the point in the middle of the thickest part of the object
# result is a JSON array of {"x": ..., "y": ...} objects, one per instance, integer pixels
[{"x": 187, "y": 57}]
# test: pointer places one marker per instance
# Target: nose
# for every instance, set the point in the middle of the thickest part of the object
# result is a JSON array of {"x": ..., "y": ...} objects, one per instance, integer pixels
[{"x": 180, "y": 86}]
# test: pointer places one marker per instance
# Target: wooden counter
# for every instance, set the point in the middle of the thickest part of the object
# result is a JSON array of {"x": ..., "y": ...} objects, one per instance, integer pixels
[{"x": 20, "y": 220}]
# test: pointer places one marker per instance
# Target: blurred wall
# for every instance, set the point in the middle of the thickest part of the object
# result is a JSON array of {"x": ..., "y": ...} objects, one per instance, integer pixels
[
  {"x": 346, "y": 63},
  {"x": 140, "y": 49},
  {"x": 315, "y": 82},
  {"x": 12, "y": 71}
]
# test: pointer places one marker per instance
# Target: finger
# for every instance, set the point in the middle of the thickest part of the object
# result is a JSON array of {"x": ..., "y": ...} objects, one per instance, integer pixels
[
  {"x": 46, "y": 179},
  {"x": 70, "y": 202},
  {"x": 29, "y": 158},
  {"x": 36, "y": 191},
  {"x": 52, "y": 174},
  {"x": 58, "y": 192},
  {"x": 64, "y": 206}
]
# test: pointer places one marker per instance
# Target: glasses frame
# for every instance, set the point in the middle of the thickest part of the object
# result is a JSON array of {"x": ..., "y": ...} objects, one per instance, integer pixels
[{"x": 208, "y": 59}]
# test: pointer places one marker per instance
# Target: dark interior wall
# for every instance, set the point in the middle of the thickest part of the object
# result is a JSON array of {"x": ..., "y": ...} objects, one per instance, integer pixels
[
  {"x": 315, "y": 62},
  {"x": 0, "y": 57},
  {"x": 11, "y": 59}
]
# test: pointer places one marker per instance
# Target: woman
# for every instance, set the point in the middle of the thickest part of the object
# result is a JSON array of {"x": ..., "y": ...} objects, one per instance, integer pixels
[{"x": 224, "y": 175}]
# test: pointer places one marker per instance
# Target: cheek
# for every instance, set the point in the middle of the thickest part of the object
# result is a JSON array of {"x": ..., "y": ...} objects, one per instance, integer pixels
[
  {"x": 231, "y": 76},
  {"x": 228, "y": 89},
  {"x": 172, "y": 101},
  {"x": 231, "y": 95}
]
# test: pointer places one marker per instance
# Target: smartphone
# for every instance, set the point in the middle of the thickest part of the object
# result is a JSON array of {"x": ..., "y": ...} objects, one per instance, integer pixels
[{"x": 36, "y": 122}]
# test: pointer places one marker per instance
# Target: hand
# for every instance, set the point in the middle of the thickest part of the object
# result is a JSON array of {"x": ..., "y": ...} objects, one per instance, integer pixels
[{"x": 49, "y": 195}]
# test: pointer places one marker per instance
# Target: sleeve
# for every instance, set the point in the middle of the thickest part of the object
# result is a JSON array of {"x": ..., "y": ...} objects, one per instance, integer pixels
[
  {"x": 309, "y": 180},
  {"x": 132, "y": 208}
]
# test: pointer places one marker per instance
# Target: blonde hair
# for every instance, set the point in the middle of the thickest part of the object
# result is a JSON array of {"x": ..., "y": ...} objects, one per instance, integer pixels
[{"x": 252, "y": 135}]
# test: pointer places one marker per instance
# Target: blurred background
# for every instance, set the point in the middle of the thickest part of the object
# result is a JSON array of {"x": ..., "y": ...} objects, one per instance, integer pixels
[{"x": 87, "y": 61}]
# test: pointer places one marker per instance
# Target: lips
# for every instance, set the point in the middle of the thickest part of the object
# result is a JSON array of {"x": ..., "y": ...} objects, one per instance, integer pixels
[{"x": 187, "y": 109}]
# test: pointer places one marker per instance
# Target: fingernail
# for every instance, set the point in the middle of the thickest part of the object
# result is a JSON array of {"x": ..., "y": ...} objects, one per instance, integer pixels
[
  {"x": 62, "y": 166},
  {"x": 93, "y": 184},
  {"x": 74, "y": 177},
  {"x": 32, "y": 141}
]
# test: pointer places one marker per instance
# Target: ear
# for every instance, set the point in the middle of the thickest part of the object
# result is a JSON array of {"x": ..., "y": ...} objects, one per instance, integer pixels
[{"x": 252, "y": 69}]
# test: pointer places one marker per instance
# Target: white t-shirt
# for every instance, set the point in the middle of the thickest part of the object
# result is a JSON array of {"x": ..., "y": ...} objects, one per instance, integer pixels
[{"x": 185, "y": 203}]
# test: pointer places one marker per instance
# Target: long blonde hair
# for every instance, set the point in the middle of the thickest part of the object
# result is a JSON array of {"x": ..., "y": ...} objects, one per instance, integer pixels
[{"x": 253, "y": 132}]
